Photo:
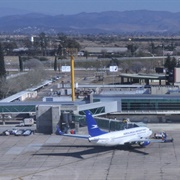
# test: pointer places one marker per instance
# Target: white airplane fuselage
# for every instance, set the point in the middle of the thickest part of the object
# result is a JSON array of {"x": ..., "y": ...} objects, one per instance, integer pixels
[
  {"x": 135, "y": 135},
  {"x": 122, "y": 137}
]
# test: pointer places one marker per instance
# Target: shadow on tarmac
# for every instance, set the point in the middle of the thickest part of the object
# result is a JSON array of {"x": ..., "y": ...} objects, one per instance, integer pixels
[{"x": 90, "y": 150}]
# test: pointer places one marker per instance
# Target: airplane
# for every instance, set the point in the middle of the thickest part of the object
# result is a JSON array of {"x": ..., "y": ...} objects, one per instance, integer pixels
[{"x": 135, "y": 135}]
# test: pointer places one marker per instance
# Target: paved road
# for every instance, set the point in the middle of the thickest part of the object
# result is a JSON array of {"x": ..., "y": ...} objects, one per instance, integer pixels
[{"x": 55, "y": 157}]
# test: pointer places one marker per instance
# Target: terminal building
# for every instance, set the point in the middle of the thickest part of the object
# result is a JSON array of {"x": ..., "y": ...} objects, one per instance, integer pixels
[
  {"x": 136, "y": 102},
  {"x": 136, "y": 107}
]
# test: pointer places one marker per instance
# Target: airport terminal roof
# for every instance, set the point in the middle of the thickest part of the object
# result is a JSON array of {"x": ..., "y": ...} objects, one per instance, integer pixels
[
  {"x": 144, "y": 76},
  {"x": 106, "y": 49}
]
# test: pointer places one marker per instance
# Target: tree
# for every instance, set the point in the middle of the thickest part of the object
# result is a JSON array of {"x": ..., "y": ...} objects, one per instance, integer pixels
[
  {"x": 170, "y": 64},
  {"x": 167, "y": 62},
  {"x": 20, "y": 64},
  {"x": 2, "y": 72},
  {"x": 152, "y": 47},
  {"x": 60, "y": 50},
  {"x": 136, "y": 66},
  {"x": 86, "y": 54},
  {"x": 131, "y": 48},
  {"x": 66, "y": 43},
  {"x": 43, "y": 43},
  {"x": 113, "y": 62},
  {"x": 4, "y": 88},
  {"x": 34, "y": 64},
  {"x": 2, "y": 64},
  {"x": 173, "y": 63},
  {"x": 55, "y": 63},
  {"x": 8, "y": 47},
  {"x": 104, "y": 53}
]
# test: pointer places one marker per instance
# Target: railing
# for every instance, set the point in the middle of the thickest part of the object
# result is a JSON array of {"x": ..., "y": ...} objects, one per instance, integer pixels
[{"x": 150, "y": 112}]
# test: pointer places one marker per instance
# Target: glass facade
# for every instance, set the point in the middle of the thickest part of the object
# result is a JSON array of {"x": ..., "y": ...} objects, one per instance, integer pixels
[
  {"x": 94, "y": 111},
  {"x": 19, "y": 108},
  {"x": 150, "y": 104}
]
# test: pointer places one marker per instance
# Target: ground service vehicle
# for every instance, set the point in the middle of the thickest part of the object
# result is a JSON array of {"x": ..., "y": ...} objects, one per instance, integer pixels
[{"x": 27, "y": 122}]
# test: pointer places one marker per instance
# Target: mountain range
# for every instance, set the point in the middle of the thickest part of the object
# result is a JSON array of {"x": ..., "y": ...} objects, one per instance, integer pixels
[{"x": 104, "y": 22}]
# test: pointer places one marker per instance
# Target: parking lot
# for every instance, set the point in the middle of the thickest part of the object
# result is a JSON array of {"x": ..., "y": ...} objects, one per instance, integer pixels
[{"x": 44, "y": 157}]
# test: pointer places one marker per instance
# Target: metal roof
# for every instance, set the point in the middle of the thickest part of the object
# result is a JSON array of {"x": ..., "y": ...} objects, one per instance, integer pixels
[
  {"x": 144, "y": 76},
  {"x": 105, "y": 49}
]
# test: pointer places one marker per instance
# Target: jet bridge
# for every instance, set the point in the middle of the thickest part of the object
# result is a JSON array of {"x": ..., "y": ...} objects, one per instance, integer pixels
[
  {"x": 49, "y": 115},
  {"x": 99, "y": 108}
]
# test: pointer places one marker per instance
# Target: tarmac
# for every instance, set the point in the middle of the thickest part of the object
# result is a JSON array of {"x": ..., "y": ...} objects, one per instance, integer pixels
[{"x": 50, "y": 157}]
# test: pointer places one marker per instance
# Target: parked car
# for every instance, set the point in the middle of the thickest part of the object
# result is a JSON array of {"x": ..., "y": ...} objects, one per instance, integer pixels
[
  {"x": 6, "y": 133},
  {"x": 28, "y": 132},
  {"x": 19, "y": 132},
  {"x": 13, "y": 132}
]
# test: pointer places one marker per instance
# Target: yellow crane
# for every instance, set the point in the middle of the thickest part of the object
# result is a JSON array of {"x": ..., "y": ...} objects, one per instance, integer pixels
[{"x": 72, "y": 78}]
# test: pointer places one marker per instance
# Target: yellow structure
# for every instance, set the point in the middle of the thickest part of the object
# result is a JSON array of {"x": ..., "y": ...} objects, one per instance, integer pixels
[{"x": 72, "y": 78}]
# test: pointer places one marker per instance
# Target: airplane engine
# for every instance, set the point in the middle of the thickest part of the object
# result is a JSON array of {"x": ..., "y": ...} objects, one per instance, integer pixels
[{"x": 144, "y": 144}]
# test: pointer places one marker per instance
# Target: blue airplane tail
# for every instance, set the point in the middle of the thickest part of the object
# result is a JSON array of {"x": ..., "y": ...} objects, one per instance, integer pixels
[
  {"x": 93, "y": 128},
  {"x": 58, "y": 131}
]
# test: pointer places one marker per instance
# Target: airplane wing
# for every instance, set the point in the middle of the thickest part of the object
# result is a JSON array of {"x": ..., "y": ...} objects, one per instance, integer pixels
[
  {"x": 59, "y": 132},
  {"x": 76, "y": 136}
]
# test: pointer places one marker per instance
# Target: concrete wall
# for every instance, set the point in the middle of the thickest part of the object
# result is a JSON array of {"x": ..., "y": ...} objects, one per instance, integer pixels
[
  {"x": 47, "y": 118},
  {"x": 165, "y": 89},
  {"x": 161, "y": 89},
  {"x": 56, "y": 113},
  {"x": 176, "y": 75}
]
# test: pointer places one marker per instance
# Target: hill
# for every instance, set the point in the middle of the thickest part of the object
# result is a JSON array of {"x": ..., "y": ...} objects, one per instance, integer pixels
[{"x": 104, "y": 22}]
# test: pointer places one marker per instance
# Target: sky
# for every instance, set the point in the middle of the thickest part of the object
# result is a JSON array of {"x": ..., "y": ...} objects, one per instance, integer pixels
[{"x": 67, "y": 7}]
